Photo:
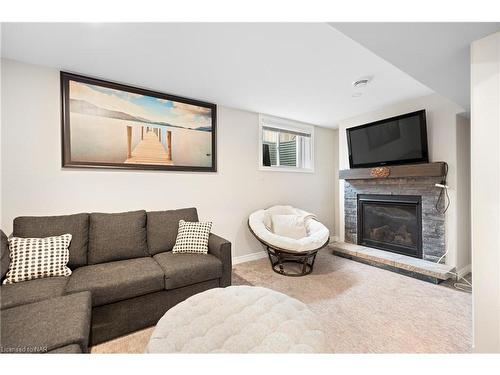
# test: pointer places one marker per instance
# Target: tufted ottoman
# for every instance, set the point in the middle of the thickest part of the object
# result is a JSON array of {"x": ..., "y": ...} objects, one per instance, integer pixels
[{"x": 238, "y": 319}]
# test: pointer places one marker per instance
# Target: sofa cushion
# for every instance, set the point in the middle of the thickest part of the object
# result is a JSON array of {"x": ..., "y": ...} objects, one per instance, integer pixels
[
  {"x": 31, "y": 291},
  {"x": 163, "y": 226},
  {"x": 47, "y": 325},
  {"x": 186, "y": 269},
  {"x": 46, "y": 226},
  {"x": 117, "y": 236},
  {"x": 117, "y": 281},
  {"x": 4, "y": 255}
]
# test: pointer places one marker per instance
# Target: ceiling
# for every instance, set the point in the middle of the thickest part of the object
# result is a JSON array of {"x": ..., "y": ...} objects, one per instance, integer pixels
[
  {"x": 300, "y": 71},
  {"x": 436, "y": 54}
]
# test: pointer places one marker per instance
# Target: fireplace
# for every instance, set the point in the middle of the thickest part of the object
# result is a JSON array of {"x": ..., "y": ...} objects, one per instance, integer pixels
[{"x": 391, "y": 222}]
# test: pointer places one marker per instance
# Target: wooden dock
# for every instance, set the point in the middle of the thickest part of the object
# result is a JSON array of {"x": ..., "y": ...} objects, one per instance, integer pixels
[{"x": 149, "y": 151}]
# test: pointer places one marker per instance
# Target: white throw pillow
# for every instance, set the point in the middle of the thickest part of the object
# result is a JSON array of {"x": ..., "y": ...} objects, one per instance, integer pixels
[
  {"x": 36, "y": 258},
  {"x": 192, "y": 237},
  {"x": 291, "y": 226},
  {"x": 277, "y": 210}
]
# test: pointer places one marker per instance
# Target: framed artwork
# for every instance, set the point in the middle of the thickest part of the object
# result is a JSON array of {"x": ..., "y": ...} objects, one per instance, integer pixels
[{"x": 110, "y": 125}]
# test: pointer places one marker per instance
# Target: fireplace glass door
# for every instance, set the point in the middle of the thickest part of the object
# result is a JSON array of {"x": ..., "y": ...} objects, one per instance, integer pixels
[{"x": 391, "y": 222}]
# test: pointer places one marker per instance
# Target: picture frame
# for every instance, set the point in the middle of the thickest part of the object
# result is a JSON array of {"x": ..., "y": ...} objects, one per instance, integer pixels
[{"x": 112, "y": 125}]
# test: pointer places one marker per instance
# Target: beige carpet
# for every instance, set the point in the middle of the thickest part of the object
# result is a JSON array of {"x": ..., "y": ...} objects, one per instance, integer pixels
[{"x": 364, "y": 309}]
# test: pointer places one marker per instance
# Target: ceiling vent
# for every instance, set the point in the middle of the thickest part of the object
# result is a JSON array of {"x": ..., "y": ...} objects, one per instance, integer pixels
[{"x": 361, "y": 82}]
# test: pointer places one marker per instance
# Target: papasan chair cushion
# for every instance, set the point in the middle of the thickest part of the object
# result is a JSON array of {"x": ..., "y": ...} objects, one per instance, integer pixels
[{"x": 317, "y": 234}]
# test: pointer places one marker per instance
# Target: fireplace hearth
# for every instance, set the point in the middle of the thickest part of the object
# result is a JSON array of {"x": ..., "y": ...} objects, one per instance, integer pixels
[{"x": 390, "y": 222}]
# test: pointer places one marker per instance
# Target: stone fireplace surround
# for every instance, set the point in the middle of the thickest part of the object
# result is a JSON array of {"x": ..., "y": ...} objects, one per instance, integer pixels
[{"x": 433, "y": 223}]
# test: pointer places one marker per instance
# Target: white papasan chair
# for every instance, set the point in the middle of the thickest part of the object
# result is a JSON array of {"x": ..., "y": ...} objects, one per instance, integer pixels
[{"x": 285, "y": 251}]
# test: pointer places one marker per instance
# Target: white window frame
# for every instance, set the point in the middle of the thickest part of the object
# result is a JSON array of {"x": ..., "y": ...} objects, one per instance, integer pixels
[{"x": 285, "y": 125}]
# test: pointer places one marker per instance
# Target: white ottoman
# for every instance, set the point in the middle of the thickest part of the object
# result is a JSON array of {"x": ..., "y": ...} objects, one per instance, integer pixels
[{"x": 238, "y": 319}]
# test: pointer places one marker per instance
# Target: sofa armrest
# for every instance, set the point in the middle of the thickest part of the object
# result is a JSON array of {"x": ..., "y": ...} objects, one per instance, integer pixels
[{"x": 221, "y": 248}]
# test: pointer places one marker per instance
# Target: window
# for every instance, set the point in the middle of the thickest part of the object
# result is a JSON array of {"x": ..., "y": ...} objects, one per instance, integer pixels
[{"x": 285, "y": 145}]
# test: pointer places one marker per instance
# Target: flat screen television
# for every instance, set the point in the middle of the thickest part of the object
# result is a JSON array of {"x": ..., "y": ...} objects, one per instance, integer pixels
[{"x": 396, "y": 140}]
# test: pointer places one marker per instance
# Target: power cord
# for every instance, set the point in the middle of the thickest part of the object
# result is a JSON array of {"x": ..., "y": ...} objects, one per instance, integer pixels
[
  {"x": 443, "y": 194},
  {"x": 464, "y": 287}
]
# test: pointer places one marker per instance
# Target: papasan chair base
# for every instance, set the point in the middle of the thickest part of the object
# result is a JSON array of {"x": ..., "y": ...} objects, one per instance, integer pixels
[{"x": 280, "y": 259}]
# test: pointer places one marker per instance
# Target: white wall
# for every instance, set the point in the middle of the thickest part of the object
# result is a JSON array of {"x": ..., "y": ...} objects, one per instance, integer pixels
[
  {"x": 485, "y": 191},
  {"x": 33, "y": 182},
  {"x": 442, "y": 140},
  {"x": 464, "y": 245},
  {"x": 336, "y": 204},
  {"x": 1, "y": 127}
]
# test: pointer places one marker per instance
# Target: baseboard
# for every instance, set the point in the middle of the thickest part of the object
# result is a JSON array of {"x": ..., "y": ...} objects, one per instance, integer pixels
[
  {"x": 249, "y": 257},
  {"x": 334, "y": 239},
  {"x": 464, "y": 270}
]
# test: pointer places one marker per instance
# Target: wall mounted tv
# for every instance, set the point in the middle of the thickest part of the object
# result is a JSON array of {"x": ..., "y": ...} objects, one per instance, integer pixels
[{"x": 396, "y": 140}]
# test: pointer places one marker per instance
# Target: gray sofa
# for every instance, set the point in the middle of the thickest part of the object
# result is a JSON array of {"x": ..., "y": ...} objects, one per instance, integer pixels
[{"x": 124, "y": 278}]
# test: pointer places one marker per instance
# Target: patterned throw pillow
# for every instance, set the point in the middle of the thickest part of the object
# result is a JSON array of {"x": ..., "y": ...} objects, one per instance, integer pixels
[
  {"x": 192, "y": 237},
  {"x": 36, "y": 258}
]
